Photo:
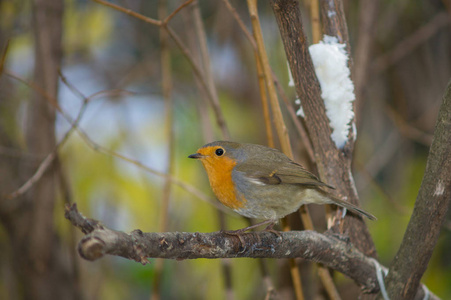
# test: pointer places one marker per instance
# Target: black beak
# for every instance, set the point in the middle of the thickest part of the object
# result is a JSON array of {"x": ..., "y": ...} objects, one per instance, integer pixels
[{"x": 196, "y": 156}]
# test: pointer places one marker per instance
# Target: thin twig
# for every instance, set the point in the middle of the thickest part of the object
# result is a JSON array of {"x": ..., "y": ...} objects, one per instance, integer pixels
[
  {"x": 260, "y": 73},
  {"x": 240, "y": 22},
  {"x": 363, "y": 54},
  {"x": 277, "y": 113},
  {"x": 226, "y": 266},
  {"x": 206, "y": 65},
  {"x": 185, "y": 4},
  {"x": 369, "y": 178},
  {"x": 130, "y": 12},
  {"x": 314, "y": 18},
  {"x": 196, "y": 69},
  {"x": 410, "y": 43},
  {"x": 264, "y": 100},
  {"x": 408, "y": 130},
  {"x": 3, "y": 58},
  {"x": 300, "y": 128},
  {"x": 294, "y": 269},
  {"x": 214, "y": 102},
  {"x": 68, "y": 200},
  {"x": 282, "y": 131},
  {"x": 48, "y": 160},
  {"x": 328, "y": 282},
  {"x": 184, "y": 185},
  {"x": 98, "y": 148},
  {"x": 166, "y": 82},
  {"x": 297, "y": 123}
]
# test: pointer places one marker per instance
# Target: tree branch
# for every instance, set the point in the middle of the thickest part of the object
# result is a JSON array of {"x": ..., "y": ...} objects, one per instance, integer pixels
[
  {"x": 430, "y": 209},
  {"x": 335, "y": 252},
  {"x": 329, "y": 250},
  {"x": 334, "y": 165}
]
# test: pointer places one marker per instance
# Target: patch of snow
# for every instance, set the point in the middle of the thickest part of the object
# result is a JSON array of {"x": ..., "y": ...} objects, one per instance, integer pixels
[{"x": 337, "y": 89}]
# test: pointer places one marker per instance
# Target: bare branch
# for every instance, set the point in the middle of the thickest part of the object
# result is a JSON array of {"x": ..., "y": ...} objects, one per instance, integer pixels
[
  {"x": 97, "y": 147},
  {"x": 334, "y": 165},
  {"x": 214, "y": 102},
  {"x": 333, "y": 251},
  {"x": 183, "y": 5},
  {"x": 430, "y": 210},
  {"x": 130, "y": 13},
  {"x": 410, "y": 43},
  {"x": 329, "y": 250},
  {"x": 48, "y": 160}
]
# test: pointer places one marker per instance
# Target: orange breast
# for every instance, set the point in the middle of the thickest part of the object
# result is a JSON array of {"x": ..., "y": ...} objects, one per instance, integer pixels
[{"x": 220, "y": 177}]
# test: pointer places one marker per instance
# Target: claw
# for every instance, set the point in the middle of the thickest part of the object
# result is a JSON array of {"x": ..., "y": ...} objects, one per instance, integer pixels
[
  {"x": 270, "y": 228},
  {"x": 239, "y": 232}
]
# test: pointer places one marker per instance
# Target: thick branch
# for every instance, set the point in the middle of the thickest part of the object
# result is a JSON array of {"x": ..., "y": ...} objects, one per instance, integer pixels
[
  {"x": 334, "y": 165},
  {"x": 331, "y": 250},
  {"x": 334, "y": 21},
  {"x": 428, "y": 214}
]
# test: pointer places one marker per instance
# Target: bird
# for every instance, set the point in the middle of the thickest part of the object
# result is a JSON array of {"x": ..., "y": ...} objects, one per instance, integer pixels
[{"x": 263, "y": 183}]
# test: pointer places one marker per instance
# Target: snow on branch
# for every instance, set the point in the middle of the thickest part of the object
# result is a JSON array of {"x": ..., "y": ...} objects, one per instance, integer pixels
[
  {"x": 330, "y": 60},
  {"x": 337, "y": 89}
]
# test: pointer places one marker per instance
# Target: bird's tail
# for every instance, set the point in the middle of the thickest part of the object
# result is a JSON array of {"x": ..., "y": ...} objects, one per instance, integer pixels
[{"x": 350, "y": 206}]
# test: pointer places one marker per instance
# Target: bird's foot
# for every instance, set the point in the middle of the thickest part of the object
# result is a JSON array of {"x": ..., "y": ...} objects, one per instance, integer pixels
[
  {"x": 238, "y": 233},
  {"x": 270, "y": 228}
]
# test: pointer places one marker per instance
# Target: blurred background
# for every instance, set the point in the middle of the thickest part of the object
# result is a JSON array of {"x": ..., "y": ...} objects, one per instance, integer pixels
[{"x": 401, "y": 53}]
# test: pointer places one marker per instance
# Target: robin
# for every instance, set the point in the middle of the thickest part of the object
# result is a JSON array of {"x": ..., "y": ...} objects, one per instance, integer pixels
[{"x": 263, "y": 183}]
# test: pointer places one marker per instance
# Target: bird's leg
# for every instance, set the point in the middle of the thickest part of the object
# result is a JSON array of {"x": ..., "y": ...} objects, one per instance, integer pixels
[
  {"x": 238, "y": 233},
  {"x": 271, "y": 229},
  {"x": 242, "y": 230}
]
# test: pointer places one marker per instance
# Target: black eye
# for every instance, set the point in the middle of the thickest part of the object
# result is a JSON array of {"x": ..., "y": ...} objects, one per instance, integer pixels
[{"x": 219, "y": 152}]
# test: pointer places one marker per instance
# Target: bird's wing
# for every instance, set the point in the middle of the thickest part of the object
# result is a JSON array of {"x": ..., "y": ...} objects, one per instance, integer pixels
[{"x": 286, "y": 172}]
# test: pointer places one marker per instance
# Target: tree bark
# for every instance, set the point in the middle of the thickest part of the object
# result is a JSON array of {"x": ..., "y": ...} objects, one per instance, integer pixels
[
  {"x": 328, "y": 249},
  {"x": 334, "y": 21},
  {"x": 334, "y": 165},
  {"x": 430, "y": 209}
]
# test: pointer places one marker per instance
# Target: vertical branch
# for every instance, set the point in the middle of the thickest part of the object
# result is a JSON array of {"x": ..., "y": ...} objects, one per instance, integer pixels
[
  {"x": 204, "y": 53},
  {"x": 264, "y": 99},
  {"x": 206, "y": 68},
  {"x": 334, "y": 21},
  {"x": 300, "y": 128},
  {"x": 284, "y": 140},
  {"x": 260, "y": 74},
  {"x": 166, "y": 82},
  {"x": 324, "y": 274},
  {"x": 316, "y": 25},
  {"x": 40, "y": 267},
  {"x": 268, "y": 126},
  {"x": 286, "y": 147},
  {"x": 169, "y": 127},
  {"x": 430, "y": 210},
  {"x": 281, "y": 129},
  {"x": 334, "y": 165},
  {"x": 297, "y": 123},
  {"x": 202, "y": 80},
  {"x": 40, "y": 137},
  {"x": 368, "y": 12}
]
